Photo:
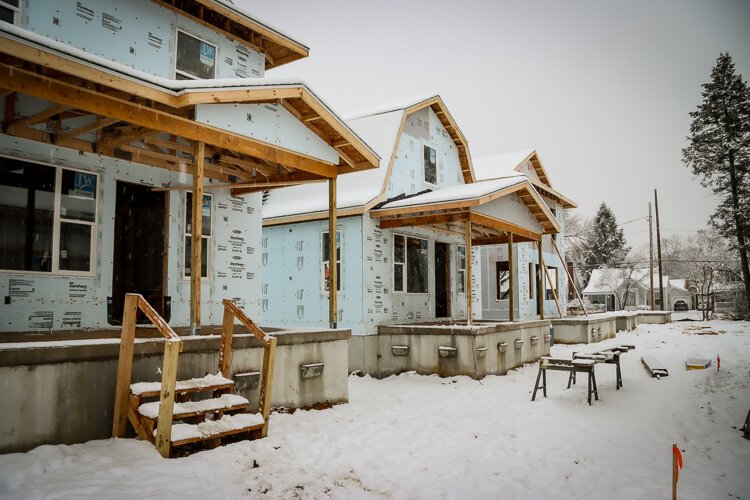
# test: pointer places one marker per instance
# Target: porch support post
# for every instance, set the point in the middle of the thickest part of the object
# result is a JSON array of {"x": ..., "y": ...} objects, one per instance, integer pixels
[
  {"x": 512, "y": 280},
  {"x": 199, "y": 153},
  {"x": 332, "y": 256},
  {"x": 540, "y": 291},
  {"x": 469, "y": 279}
]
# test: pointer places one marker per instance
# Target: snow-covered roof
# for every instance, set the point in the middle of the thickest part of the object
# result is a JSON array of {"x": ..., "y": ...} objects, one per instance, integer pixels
[
  {"x": 499, "y": 165},
  {"x": 458, "y": 192},
  {"x": 398, "y": 105},
  {"x": 604, "y": 279},
  {"x": 679, "y": 284}
]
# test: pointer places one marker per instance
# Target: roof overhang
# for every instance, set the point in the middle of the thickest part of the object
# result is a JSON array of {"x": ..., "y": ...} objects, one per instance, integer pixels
[
  {"x": 538, "y": 167},
  {"x": 452, "y": 215},
  {"x": 277, "y": 47},
  {"x": 550, "y": 193},
  {"x": 150, "y": 120}
]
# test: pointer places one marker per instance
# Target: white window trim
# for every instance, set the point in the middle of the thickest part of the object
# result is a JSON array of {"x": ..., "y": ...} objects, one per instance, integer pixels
[
  {"x": 406, "y": 259},
  {"x": 209, "y": 244},
  {"x": 339, "y": 261},
  {"x": 437, "y": 165},
  {"x": 459, "y": 269},
  {"x": 16, "y": 11},
  {"x": 188, "y": 33},
  {"x": 496, "y": 284},
  {"x": 56, "y": 222}
]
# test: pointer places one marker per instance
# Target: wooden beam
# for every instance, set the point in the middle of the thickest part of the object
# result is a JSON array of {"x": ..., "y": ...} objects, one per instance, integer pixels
[
  {"x": 113, "y": 141},
  {"x": 512, "y": 279},
  {"x": 39, "y": 117},
  {"x": 64, "y": 94},
  {"x": 506, "y": 226},
  {"x": 332, "y": 254},
  {"x": 163, "y": 441},
  {"x": 91, "y": 127},
  {"x": 196, "y": 242},
  {"x": 469, "y": 279},
  {"x": 541, "y": 291},
  {"x": 423, "y": 220},
  {"x": 275, "y": 181},
  {"x": 124, "y": 366}
]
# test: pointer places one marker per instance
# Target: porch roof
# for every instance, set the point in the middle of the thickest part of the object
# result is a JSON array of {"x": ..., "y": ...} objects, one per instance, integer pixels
[
  {"x": 148, "y": 119},
  {"x": 450, "y": 209}
]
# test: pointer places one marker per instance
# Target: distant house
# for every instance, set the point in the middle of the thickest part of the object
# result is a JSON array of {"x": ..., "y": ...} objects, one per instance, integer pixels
[
  {"x": 403, "y": 235},
  {"x": 629, "y": 289},
  {"x": 497, "y": 289}
]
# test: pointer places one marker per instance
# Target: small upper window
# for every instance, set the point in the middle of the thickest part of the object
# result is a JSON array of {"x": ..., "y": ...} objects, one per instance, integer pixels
[
  {"x": 430, "y": 165},
  {"x": 195, "y": 58},
  {"x": 206, "y": 234},
  {"x": 9, "y": 11}
]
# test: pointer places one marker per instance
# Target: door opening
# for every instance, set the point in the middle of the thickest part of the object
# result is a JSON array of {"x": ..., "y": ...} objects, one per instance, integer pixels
[
  {"x": 442, "y": 280},
  {"x": 140, "y": 254}
]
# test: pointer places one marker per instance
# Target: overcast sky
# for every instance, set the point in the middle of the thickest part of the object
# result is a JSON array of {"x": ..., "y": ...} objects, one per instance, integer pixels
[{"x": 600, "y": 89}]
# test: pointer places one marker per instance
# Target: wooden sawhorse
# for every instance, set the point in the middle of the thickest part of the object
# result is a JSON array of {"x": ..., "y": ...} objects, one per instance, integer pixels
[{"x": 572, "y": 366}]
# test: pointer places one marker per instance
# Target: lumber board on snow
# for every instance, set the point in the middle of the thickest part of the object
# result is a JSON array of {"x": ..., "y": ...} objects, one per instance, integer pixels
[{"x": 655, "y": 367}]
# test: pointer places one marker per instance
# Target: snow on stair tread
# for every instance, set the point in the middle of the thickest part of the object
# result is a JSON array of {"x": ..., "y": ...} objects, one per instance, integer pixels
[
  {"x": 151, "y": 410},
  {"x": 190, "y": 385},
  {"x": 228, "y": 424}
]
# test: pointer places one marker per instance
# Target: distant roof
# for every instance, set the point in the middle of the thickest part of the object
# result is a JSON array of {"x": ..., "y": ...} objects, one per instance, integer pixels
[
  {"x": 604, "y": 279},
  {"x": 362, "y": 190}
]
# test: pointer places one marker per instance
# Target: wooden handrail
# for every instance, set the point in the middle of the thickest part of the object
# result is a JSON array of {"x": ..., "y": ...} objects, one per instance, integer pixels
[
  {"x": 172, "y": 349},
  {"x": 231, "y": 311}
]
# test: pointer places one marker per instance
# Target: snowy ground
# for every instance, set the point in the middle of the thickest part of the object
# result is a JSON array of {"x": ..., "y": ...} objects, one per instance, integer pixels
[{"x": 412, "y": 436}]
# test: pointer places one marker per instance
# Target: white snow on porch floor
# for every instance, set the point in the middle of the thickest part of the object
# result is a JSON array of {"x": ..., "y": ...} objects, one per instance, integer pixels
[{"x": 414, "y": 436}]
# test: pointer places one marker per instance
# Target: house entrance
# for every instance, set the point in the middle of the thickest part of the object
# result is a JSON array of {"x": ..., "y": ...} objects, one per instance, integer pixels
[
  {"x": 442, "y": 280},
  {"x": 140, "y": 253}
]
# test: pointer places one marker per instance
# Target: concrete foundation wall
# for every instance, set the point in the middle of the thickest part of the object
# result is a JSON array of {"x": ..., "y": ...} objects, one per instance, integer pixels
[
  {"x": 64, "y": 393},
  {"x": 655, "y": 317},
  {"x": 584, "y": 330},
  {"x": 479, "y": 349}
]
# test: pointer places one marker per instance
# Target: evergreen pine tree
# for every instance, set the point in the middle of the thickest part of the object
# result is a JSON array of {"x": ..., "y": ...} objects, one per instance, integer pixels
[
  {"x": 605, "y": 243},
  {"x": 719, "y": 152}
]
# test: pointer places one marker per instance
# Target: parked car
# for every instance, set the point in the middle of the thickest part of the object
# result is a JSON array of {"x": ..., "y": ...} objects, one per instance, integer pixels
[{"x": 680, "y": 305}]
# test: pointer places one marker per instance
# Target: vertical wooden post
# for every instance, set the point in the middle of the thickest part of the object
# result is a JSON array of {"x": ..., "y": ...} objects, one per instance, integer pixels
[
  {"x": 225, "y": 350},
  {"x": 125, "y": 366},
  {"x": 269, "y": 358},
  {"x": 332, "y": 256},
  {"x": 512, "y": 280},
  {"x": 658, "y": 253},
  {"x": 650, "y": 259},
  {"x": 469, "y": 279},
  {"x": 541, "y": 292},
  {"x": 166, "y": 398},
  {"x": 199, "y": 150}
]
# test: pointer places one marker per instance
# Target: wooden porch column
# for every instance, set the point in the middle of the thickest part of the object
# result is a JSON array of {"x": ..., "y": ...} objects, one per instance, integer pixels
[
  {"x": 468, "y": 272},
  {"x": 512, "y": 280},
  {"x": 199, "y": 153},
  {"x": 332, "y": 257},
  {"x": 540, "y": 291}
]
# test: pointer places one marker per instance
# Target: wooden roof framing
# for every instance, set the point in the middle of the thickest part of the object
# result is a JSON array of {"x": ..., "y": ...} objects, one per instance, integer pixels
[
  {"x": 277, "y": 48},
  {"x": 139, "y": 121}
]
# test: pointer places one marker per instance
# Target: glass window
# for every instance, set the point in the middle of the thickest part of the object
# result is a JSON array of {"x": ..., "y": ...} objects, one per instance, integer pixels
[
  {"x": 409, "y": 264},
  {"x": 30, "y": 223},
  {"x": 430, "y": 165},
  {"x": 461, "y": 275},
  {"x": 9, "y": 11},
  {"x": 205, "y": 234},
  {"x": 551, "y": 283},
  {"x": 502, "y": 271},
  {"x": 326, "y": 260},
  {"x": 195, "y": 58},
  {"x": 630, "y": 299}
]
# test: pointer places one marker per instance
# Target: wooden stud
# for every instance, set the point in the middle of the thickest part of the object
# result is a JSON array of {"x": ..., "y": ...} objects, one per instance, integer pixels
[
  {"x": 225, "y": 350},
  {"x": 197, "y": 236},
  {"x": 332, "y": 255},
  {"x": 166, "y": 398},
  {"x": 91, "y": 127},
  {"x": 125, "y": 366},
  {"x": 554, "y": 292},
  {"x": 541, "y": 291},
  {"x": 570, "y": 278},
  {"x": 269, "y": 359},
  {"x": 512, "y": 276},
  {"x": 469, "y": 280}
]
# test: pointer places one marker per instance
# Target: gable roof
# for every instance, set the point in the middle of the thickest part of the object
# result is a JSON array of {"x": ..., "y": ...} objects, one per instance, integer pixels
[
  {"x": 504, "y": 164},
  {"x": 360, "y": 191},
  {"x": 605, "y": 278}
]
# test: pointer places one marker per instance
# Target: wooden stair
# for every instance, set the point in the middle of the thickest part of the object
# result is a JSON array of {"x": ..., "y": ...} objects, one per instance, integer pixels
[{"x": 202, "y": 411}]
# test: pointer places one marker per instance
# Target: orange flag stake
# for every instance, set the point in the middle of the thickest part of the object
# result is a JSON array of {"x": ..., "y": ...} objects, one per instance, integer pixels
[
  {"x": 718, "y": 363},
  {"x": 676, "y": 466}
]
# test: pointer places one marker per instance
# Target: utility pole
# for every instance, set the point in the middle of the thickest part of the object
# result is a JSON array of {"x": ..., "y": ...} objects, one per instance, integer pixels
[
  {"x": 658, "y": 252},
  {"x": 651, "y": 257}
]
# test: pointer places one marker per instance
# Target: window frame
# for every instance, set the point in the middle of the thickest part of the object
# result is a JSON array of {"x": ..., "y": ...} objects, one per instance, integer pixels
[
  {"x": 16, "y": 10},
  {"x": 532, "y": 280},
  {"x": 547, "y": 289},
  {"x": 176, "y": 55},
  {"x": 424, "y": 165},
  {"x": 498, "y": 293},
  {"x": 405, "y": 274},
  {"x": 339, "y": 262},
  {"x": 209, "y": 246},
  {"x": 57, "y": 221},
  {"x": 460, "y": 271}
]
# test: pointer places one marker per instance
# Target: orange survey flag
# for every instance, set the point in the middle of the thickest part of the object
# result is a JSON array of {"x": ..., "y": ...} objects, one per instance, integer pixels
[{"x": 678, "y": 456}]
